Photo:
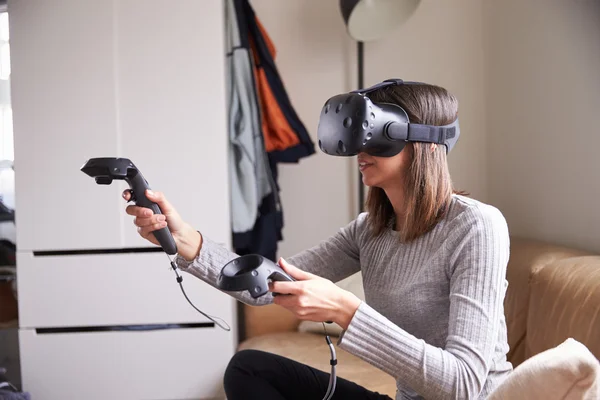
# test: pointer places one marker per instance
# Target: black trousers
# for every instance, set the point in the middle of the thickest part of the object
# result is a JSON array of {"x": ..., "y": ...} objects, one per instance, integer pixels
[{"x": 255, "y": 374}]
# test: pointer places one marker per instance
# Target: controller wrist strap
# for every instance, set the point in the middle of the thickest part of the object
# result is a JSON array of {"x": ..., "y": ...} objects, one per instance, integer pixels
[{"x": 179, "y": 279}]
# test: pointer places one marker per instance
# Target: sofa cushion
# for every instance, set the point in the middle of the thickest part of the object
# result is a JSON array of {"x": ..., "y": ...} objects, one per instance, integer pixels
[
  {"x": 568, "y": 371},
  {"x": 565, "y": 303},
  {"x": 526, "y": 258},
  {"x": 311, "y": 349}
]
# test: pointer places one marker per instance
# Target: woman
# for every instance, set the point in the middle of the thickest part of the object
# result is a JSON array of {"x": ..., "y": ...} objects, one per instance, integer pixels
[{"x": 433, "y": 263}]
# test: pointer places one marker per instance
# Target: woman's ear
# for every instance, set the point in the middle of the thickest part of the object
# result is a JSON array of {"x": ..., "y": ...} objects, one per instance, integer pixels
[{"x": 432, "y": 147}]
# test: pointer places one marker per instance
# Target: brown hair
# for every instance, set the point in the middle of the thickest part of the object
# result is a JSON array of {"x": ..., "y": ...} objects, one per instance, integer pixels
[{"x": 428, "y": 189}]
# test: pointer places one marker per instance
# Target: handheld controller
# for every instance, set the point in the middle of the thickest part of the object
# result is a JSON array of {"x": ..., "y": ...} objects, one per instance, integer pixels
[
  {"x": 251, "y": 272},
  {"x": 104, "y": 170}
]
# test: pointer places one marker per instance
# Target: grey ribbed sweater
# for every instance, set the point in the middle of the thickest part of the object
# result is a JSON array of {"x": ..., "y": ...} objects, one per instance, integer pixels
[{"x": 433, "y": 314}]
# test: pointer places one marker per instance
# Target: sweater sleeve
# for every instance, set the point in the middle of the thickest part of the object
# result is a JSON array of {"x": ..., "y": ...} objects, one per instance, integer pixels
[
  {"x": 207, "y": 266},
  {"x": 477, "y": 259},
  {"x": 334, "y": 258}
]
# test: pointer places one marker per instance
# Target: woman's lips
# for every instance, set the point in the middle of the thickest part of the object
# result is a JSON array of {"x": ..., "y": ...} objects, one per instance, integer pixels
[{"x": 362, "y": 165}]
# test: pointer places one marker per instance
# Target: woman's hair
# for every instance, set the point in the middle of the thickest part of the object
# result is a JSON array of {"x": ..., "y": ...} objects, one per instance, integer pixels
[{"x": 428, "y": 186}]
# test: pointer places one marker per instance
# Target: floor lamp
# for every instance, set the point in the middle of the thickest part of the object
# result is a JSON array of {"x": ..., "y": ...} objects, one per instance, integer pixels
[{"x": 368, "y": 20}]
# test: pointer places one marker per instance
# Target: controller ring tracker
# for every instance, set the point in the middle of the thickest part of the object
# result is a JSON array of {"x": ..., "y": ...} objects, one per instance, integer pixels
[{"x": 250, "y": 272}]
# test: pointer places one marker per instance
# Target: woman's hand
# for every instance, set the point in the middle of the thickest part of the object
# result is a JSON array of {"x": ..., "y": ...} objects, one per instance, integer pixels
[
  {"x": 314, "y": 298},
  {"x": 188, "y": 240}
]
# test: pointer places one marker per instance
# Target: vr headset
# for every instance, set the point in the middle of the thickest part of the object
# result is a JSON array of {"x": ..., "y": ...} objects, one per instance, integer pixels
[{"x": 351, "y": 123}]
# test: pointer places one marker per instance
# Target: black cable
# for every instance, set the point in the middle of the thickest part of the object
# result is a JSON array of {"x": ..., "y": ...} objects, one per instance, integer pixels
[
  {"x": 179, "y": 280},
  {"x": 333, "y": 363}
]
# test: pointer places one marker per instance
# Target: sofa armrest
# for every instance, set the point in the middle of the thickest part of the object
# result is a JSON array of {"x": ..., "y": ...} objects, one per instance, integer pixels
[
  {"x": 565, "y": 303},
  {"x": 527, "y": 257}
]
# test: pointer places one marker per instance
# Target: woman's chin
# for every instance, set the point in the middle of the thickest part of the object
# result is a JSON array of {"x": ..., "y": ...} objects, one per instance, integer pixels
[{"x": 368, "y": 181}]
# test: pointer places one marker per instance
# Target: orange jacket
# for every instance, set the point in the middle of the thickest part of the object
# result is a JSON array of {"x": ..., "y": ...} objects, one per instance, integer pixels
[{"x": 286, "y": 139}]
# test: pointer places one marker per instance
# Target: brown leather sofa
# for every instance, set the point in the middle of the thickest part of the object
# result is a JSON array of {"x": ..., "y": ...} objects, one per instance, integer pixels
[{"x": 553, "y": 294}]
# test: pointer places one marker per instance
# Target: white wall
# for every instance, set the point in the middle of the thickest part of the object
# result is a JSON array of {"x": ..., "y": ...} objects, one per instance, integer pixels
[
  {"x": 312, "y": 54},
  {"x": 441, "y": 43},
  {"x": 543, "y": 97},
  {"x": 525, "y": 74}
]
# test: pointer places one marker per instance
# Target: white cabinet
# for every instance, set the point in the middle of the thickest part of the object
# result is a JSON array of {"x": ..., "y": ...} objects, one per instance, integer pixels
[
  {"x": 138, "y": 79},
  {"x": 152, "y": 365},
  {"x": 130, "y": 79},
  {"x": 110, "y": 289}
]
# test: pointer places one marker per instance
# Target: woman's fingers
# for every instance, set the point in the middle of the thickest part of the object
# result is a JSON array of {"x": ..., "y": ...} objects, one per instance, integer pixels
[
  {"x": 284, "y": 287},
  {"x": 156, "y": 197},
  {"x": 145, "y": 231},
  {"x": 295, "y": 272},
  {"x": 160, "y": 199},
  {"x": 138, "y": 211},
  {"x": 288, "y": 302},
  {"x": 295, "y": 304},
  {"x": 146, "y": 221}
]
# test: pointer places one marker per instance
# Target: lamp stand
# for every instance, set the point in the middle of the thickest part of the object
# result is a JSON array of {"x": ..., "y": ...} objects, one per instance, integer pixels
[{"x": 360, "y": 65}]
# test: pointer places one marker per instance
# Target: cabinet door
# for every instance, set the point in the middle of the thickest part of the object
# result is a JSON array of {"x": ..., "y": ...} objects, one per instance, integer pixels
[
  {"x": 119, "y": 79},
  {"x": 63, "y": 99},
  {"x": 172, "y": 99},
  {"x": 151, "y": 365},
  {"x": 112, "y": 289}
]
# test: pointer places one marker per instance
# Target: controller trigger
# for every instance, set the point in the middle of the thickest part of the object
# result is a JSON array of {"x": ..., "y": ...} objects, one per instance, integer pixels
[{"x": 132, "y": 195}]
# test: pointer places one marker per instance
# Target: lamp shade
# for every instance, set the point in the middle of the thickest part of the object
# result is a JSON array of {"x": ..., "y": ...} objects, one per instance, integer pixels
[{"x": 372, "y": 19}]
